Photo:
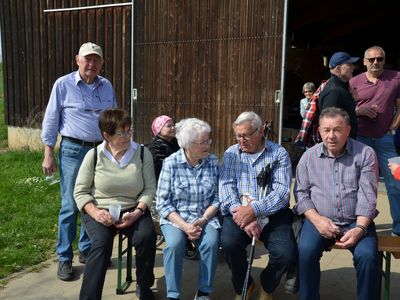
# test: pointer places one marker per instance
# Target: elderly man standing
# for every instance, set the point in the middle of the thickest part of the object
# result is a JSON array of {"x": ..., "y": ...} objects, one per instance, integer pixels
[
  {"x": 336, "y": 190},
  {"x": 336, "y": 91},
  {"x": 73, "y": 110},
  {"x": 248, "y": 213},
  {"x": 377, "y": 95},
  {"x": 333, "y": 92}
]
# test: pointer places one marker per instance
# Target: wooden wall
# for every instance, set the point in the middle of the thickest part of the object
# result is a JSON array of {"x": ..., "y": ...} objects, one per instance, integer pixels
[
  {"x": 39, "y": 47},
  {"x": 210, "y": 59}
]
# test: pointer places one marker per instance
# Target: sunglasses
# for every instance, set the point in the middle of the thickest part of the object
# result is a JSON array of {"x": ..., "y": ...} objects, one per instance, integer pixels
[{"x": 372, "y": 59}]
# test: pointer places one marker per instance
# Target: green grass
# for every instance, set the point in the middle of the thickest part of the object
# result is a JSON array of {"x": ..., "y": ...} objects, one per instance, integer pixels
[
  {"x": 28, "y": 212},
  {"x": 29, "y": 206},
  {"x": 3, "y": 127}
]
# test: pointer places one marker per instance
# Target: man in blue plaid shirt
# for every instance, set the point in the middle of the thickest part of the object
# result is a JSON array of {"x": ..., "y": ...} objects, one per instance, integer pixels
[{"x": 251, "y": 211}]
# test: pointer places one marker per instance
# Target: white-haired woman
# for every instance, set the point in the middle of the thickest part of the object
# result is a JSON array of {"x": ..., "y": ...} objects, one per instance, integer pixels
[
  {"x": 187, "y": 201},
  {"x": 308, "y": 91}
]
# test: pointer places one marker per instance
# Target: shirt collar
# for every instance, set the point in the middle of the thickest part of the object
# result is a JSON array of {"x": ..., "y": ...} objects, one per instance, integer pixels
[
  {"x": 262, "y": 153},
  {"x": 339, "y": 81},
  {"x": 125, "y": 159},
  {"x": 264, "y": 149},
  {"x": 79, "y": 79},
  {"x": 348, "y": 150},
  {"x": 181, "y": 158}
]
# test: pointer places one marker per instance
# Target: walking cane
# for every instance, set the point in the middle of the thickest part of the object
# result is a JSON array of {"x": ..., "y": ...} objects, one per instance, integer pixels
[
  {"x": 262, "y": 180},
  {"x": 251, "y": 258}
]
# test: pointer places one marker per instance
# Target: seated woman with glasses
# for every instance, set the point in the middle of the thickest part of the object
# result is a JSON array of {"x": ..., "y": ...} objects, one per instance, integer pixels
[
  {"x": 117, "y": 173},
  {"x": 308, "y": 91},
  {"x": 187, "y": 202}
]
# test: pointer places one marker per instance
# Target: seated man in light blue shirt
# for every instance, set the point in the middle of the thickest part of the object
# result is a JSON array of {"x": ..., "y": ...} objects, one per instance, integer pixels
[
  {"x": 265, "y": 214},
  {"x": 75, "y": 103}
]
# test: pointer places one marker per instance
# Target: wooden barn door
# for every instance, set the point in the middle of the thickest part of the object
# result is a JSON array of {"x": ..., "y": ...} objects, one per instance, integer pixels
[{"x": 211, "y": 59}]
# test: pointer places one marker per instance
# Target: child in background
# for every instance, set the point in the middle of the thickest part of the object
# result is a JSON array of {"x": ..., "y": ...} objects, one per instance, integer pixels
[{"x": 164, "y": 142}]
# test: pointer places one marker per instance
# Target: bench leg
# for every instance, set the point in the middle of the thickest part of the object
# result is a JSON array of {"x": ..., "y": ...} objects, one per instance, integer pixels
[
  {"x": 122, "y": 287},
  {"x": 386, "y": 294},
  {"x": 119, "y": 265},
  {"x": 129, "y": 262}
]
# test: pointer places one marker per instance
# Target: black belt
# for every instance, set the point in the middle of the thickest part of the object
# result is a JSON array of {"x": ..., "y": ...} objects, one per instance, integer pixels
[{"x": 80, "y": 142}]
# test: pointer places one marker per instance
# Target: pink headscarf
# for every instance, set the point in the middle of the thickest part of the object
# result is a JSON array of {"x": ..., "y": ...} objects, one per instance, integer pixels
[{"x": 158, "y": 123}]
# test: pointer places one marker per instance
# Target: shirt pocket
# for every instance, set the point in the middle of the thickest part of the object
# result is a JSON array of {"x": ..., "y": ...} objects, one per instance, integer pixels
[
  {"x": 74, "y": 102},
  {"x": 99, "y": 104},
  {"x": 181, "y": 190},
  {"x": 207, "y": 189},
  {"x": 70, "y": 149}
]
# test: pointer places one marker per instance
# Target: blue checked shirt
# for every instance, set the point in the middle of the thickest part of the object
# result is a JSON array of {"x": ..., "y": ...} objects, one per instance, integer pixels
[
  {"x": 187, "y": 190},
  {"x": 238, "y": 176}
]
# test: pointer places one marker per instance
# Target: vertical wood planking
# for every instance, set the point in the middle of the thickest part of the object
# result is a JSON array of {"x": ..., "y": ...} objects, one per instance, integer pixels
[{"x": 210, "y": 59}]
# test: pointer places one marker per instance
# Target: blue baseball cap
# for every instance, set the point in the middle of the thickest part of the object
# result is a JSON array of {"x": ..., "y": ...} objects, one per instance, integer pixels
[{"x": 339, "y": 58}]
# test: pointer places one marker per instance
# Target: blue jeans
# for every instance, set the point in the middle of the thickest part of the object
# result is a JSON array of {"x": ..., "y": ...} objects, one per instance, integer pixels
[
  {"x": 384, "y": 148},
  {"x": 365, "y": 259},
  {"x": 70, "y": 159},
  {"x": 174, "y": 253},
  {"x": 278, "y": 239}
]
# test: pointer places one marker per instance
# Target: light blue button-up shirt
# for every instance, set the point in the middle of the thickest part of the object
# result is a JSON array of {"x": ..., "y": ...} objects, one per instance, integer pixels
[{"x": 74, "y": 108}]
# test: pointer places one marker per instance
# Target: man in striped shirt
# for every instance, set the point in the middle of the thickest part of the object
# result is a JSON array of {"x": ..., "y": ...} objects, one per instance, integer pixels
[
  {"x": 336, "y": 189},
  {"x": 251, "y": 211}
]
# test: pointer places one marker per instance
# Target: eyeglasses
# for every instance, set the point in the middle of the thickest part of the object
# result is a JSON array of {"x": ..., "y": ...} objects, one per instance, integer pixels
[
  {"x": 246, "y": 137},
  {"x": 204, "y": 143},
  {"x": 372, "y": 59},
  {"x": 123, "y": 134}
]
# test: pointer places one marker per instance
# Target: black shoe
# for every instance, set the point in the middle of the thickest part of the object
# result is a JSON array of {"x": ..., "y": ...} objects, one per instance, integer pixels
[
  {"x": 82, "y": 257},
  {"x": 144, "y": 293},
  {"x": 64, "y": 271}
]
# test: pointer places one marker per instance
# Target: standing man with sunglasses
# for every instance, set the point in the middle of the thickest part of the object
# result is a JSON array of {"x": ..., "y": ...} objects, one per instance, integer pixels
[
  {"x": 252, "y": 211},
  {"x": 73, "y": 110},
  {"x": 377, "y": 95}
]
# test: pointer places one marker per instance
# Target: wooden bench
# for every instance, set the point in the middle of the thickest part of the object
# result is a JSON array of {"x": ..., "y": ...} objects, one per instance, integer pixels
[{"x": 387, "y": 246}]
